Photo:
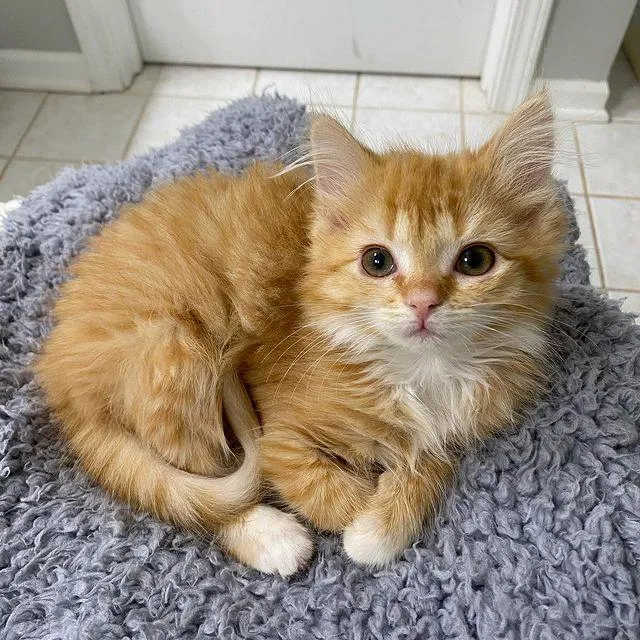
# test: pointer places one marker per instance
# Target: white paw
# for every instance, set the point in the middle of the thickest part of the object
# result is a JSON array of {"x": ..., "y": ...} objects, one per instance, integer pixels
[
  {"x": 367, "y": 542},
  {"x": 269, "y": 540}
]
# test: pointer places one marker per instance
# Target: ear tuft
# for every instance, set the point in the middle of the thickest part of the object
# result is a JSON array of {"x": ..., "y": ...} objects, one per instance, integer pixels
[
  {"x": 339, "y": 159},
  {"x": 522, "y": 151}
]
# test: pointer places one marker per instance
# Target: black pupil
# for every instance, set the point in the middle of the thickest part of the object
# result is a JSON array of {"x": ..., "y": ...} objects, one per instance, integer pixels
[
  {"x": 379, "y": 260},
  {"x": 473, "y": 259}
]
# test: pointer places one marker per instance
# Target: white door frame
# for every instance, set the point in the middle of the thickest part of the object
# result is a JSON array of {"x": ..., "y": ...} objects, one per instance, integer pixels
[
  {"x": 517, "y": 34},
  {"x": 108, "y": 42}
]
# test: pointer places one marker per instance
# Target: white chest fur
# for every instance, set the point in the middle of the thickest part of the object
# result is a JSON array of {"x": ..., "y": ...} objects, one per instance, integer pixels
[
  {"x": 438, "y": 412},
  {"x": 434, "y": 400}
]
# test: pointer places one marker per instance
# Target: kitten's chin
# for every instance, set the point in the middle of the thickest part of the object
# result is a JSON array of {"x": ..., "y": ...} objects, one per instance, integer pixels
[
  {"x": 420, "y": 334},
  {"x": 412, "y": 337}
]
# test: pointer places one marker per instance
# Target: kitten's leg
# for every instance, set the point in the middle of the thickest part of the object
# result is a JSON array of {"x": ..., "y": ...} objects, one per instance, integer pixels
[
  {"x": 320, "y": 488},
  {"x": 395, "y": 514},
  {"x": 268, "y": 539}
]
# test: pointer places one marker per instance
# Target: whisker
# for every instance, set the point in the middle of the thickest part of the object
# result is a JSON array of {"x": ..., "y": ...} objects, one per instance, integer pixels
[
  {"x": 320, "y": 358},
  {"x": 548, "y": 319},
  {"x": 300, "y": 186},
  {"x": 319, "y": 338}
]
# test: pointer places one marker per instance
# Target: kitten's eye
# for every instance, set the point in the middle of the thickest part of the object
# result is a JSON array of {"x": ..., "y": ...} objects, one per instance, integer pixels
[
  {"x": 378, "y": 262},
  {"x": 475, "y": 260}
]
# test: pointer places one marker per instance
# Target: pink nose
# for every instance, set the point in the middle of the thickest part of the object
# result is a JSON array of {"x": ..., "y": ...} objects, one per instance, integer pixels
[{"x": 423, "y": 303}]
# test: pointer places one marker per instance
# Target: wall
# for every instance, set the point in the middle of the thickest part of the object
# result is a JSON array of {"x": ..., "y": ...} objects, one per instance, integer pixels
[
  {"x": 632, "y": 41},
  {"x": 36, "y": 24},
  {"x": 583, "y": 38}
]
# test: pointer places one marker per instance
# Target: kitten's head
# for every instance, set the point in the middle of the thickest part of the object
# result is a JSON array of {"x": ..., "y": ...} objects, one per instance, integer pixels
[{"x": 452, "y": 255}]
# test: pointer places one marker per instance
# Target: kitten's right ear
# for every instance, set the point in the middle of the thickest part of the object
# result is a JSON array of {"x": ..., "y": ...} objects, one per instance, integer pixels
[
  {"x": 522, "y": 150},
  {"x": 338, "y": 158}
]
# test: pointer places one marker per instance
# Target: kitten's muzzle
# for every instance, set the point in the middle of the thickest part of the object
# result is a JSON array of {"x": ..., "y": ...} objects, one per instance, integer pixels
[{"x": 422, "y": 303}]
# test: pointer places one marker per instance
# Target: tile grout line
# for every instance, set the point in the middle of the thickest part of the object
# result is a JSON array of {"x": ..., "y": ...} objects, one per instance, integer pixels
[
  {"x": 143, "y": 110},
  {"x": 254, "y": 85},
  {"x": 420, "y": 110},
  {"x": 203, "y": 98},
  {"x": 73, "y": 160},
  {"x": 587, "y": 199},
  {"x": 354, "y": 104},
  {"x": 474, "y": 112},
  {"x": 614, "y": 197},
  {"x": 477, "y": 112},
  {"x": 6, "y": 166},
  {"x": 23, "y": 136},
  {"x": 175, "y": 96},
  {"x": 463, "y": 133},
  {"x": 623, "y": 290},
  {"x": 615, "y": 120}
]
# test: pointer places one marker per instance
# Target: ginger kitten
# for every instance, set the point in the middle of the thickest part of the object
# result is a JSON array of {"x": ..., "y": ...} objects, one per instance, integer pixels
[{"x": 335, "y": 344}]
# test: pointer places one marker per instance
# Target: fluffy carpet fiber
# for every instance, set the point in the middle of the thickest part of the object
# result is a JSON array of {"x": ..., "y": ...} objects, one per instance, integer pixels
[{"x": 540, "y": 538}]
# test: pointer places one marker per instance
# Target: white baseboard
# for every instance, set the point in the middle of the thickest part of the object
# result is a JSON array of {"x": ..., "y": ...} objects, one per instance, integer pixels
[
  {"x": 44, "y": 70},
  {"x": 581, "y": 100}
]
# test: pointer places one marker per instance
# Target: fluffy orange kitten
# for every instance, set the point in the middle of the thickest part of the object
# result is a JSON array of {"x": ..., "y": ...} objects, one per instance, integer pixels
[{"x": 333, "y": 344}]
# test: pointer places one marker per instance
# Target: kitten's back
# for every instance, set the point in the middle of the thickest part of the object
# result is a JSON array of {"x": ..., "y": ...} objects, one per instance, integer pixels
[{"x": 149, "y": 331}]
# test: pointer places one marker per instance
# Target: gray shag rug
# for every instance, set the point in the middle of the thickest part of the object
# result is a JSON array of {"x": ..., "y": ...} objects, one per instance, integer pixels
[{"x": 540, "y": 538}]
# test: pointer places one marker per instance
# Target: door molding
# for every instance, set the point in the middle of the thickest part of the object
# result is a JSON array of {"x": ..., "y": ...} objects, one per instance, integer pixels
[
  {"x": 45, "y": 70},
  {"x": 108, "y": 42},
  {"x": 579, "y": 100},
  {"x": 515, "y": 41}
]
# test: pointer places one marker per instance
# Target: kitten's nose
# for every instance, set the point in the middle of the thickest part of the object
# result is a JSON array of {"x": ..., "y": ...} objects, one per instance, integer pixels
[{"x": 423, "y": 303}]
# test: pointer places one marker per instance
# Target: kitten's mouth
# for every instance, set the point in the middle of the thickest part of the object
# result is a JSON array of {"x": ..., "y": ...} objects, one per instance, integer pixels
[{"x": 420, "y": 332}]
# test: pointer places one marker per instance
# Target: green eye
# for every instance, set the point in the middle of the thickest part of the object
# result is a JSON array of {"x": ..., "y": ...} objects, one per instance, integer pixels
[
  {"x": 378, "y": 262},
  {"x": 475, "y": 260}
]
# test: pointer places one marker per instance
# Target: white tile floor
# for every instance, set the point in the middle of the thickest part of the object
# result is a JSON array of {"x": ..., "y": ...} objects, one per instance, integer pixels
[{"x": 41, "y": 133}]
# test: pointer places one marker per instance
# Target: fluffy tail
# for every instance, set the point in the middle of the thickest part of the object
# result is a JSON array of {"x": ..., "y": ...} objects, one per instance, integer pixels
[{"x": 134, "y": 472}]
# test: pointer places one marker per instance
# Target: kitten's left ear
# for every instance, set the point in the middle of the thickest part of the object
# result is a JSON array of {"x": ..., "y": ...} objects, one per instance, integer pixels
[
  {"x": 339, "y": 159},
  {"x": 522, "y": 151}
]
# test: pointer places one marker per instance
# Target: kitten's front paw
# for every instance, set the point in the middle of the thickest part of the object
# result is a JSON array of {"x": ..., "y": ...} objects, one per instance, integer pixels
[
  {"x": 269, "y": 540},
  {"x": 367, "y": 541}
]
